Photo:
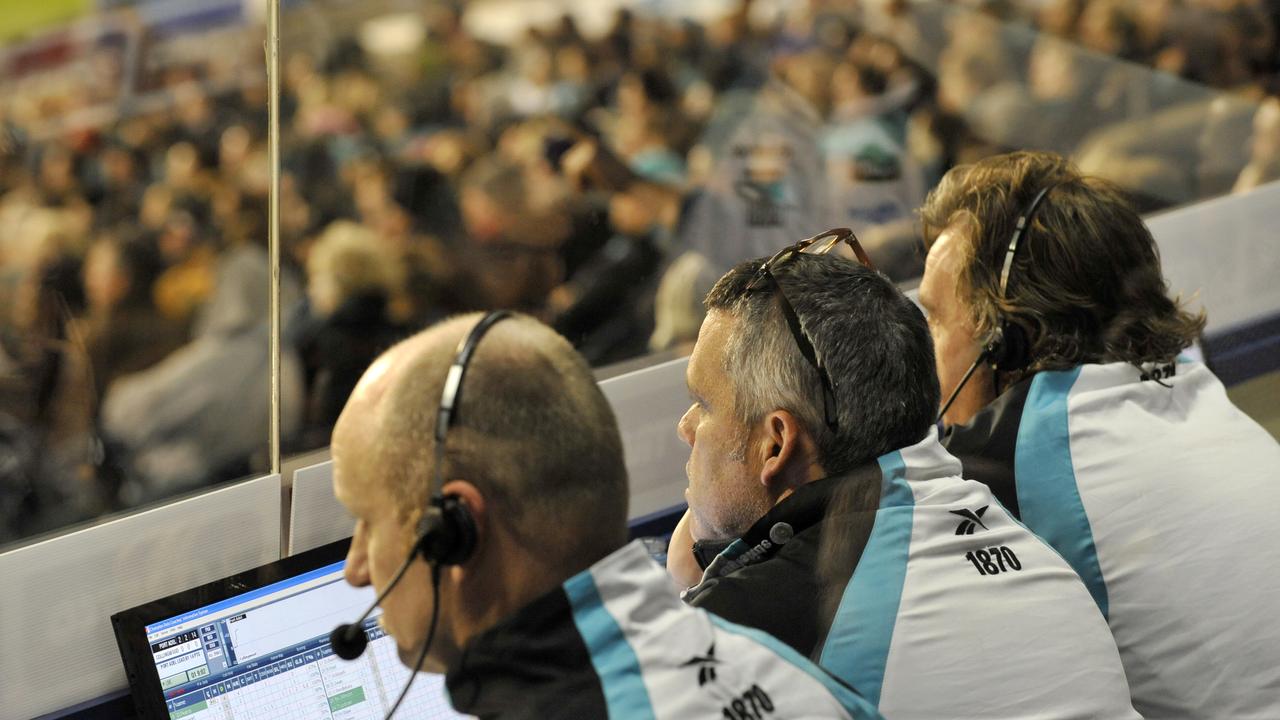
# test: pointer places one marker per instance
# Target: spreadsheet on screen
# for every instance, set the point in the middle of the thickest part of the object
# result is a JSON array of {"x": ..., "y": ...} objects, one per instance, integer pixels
[{"x": 265, "y": 655}]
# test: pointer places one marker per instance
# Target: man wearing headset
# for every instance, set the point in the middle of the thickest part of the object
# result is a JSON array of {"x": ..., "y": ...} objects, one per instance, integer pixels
[
  {"x": 826, "y": 512},
  {"x": 1059, "y": 347},
  {"x": 493, "y": 479}
]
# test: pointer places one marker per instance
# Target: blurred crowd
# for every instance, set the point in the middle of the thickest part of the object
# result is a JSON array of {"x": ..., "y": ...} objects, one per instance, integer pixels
[{"x": 598, "y": 181}]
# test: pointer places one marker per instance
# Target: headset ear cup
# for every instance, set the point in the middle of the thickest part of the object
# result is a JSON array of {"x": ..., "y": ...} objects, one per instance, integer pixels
[
  {"x": 993, "y": 352},
  {"x": 432, "y": 534},
  {"x": 447, "y": 532},
  {"x": 1011, "y": 350},
  {"x": 464, "y": 524}
]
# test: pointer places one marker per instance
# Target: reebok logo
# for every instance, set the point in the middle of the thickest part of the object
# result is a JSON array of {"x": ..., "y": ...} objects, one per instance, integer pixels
[
  {"x": 706, "y": 665},
  {"x": 971, "y": 520}
]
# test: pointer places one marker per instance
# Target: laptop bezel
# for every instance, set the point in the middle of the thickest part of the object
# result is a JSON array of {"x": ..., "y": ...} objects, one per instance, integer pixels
[{"x": 130, "y": 625}]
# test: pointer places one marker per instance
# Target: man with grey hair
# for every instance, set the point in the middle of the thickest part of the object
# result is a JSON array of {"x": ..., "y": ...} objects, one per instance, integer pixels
[
  {"x": 823, "y": 510},
  {"x": 533, "y": 604}
]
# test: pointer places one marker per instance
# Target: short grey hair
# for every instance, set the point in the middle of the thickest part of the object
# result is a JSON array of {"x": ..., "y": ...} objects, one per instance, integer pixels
[
  {"x": 533, "y": 431},
  {"x": 872, "y": 339}
]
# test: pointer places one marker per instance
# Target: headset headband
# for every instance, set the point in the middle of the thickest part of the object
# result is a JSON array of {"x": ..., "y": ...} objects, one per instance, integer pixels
[
  {"x": 1023, "y": 221},
  {"x": 451, "y": 395},
  {"x": 997, "y": 349}
]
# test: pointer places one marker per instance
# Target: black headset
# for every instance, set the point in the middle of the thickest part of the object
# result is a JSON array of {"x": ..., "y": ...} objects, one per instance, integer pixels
[
  {"x": 1007, "y": 348},
  {"x": 447, "y": 531}
]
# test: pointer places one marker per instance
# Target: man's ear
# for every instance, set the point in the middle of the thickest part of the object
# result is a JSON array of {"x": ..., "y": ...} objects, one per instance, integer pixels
[{"x": 781, "y": 447}]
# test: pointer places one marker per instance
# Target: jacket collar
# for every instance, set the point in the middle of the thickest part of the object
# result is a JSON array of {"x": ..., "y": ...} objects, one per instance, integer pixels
[
  {"x": 528, "y": 648},
  {"x": 805, "y": 507},
  {"x": 865, "y": 488},
  {"x": 539, "y": 645}
]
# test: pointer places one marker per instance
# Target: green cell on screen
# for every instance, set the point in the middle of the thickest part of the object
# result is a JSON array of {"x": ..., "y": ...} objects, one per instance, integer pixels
[
  {"x": 189, "y": 710},
  {"x": 172, "y": 680},
  {"x": 346, "y": 699}
]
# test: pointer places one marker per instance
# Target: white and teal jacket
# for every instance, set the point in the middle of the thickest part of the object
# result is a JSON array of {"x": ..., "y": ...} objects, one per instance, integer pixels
[
  {"x": 615, "y": 641},
  {"x": 914, "y": 586},
  {"x": 1165, "y": 497}
]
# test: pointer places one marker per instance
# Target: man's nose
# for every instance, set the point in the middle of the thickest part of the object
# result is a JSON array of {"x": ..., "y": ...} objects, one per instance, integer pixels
[
  {"x": 684, "y": 428},
  {"x": 356, "y": 570}
]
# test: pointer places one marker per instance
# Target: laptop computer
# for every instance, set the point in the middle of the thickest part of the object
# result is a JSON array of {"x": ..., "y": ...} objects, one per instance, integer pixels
[{"x": 255, "y": 646}]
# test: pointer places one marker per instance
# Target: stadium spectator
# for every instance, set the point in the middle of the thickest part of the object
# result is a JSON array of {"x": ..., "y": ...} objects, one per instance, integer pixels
[
  {"x": 1264, "y": 148},
  {"x": 124, "y": 330},
  {"x": 202, "y": 412},
  {"x": 351, "y": 282}
]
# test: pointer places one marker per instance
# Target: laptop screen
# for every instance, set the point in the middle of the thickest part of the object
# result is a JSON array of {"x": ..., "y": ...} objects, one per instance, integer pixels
[{"x": 265, "y": 654}]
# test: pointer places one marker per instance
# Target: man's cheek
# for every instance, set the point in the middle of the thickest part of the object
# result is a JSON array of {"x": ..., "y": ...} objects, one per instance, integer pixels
[
  {"x": 949, "y": 358},
  {"x": 696, "y": 497},
  {"x": 697, "y": 528},
  {"x": 695, "y": 471}
]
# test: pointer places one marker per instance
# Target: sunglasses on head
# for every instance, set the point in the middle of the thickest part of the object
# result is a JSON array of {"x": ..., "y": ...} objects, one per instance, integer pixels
[{"x": 819, "y": 244}]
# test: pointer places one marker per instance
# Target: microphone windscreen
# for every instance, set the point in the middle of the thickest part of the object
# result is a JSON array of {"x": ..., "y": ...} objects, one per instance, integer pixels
[{"x": 348, "y": 641}]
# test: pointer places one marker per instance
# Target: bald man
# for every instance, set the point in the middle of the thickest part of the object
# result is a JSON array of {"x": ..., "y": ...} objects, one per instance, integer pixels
[{"x": 551, "y": 614}]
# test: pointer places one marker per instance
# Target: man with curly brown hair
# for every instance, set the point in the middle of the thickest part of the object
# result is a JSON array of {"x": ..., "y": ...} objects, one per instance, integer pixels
[{"x": 1058, "y": 348}]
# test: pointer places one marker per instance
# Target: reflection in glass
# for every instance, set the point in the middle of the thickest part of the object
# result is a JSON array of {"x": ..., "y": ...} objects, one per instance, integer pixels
[
  {"x": 573, "y": 164},
  {"x": 596, "y": 164}
]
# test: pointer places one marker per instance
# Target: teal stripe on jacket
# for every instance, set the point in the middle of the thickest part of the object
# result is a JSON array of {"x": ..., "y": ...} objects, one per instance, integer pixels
[
  {"x": 612, "y": 656},
  {"x": 857, "y": 646},
  {"x": 1048, "y": 497}
]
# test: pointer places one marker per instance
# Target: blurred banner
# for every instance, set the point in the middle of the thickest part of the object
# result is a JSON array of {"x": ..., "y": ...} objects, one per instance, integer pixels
[
  {"x": 23, "y": 17},
  {"x": 74, "y": 74}
]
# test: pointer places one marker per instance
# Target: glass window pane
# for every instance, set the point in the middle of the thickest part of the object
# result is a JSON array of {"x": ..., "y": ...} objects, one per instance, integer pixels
[
  {"x": 133, "y": 337},
  {"x": 600, "y": 164}
]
